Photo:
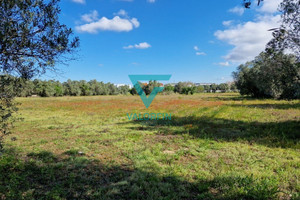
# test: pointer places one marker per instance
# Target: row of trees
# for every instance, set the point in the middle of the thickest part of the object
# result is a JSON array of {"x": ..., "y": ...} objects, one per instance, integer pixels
[
  {"x": 51, "y": 88},
  {"x": 190, "y": 88},
  {"x": 69, "y": 88},
  {"x": 186, "y": 88}
]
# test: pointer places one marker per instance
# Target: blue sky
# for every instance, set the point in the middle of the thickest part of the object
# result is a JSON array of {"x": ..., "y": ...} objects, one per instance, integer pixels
[{"x": 193, "y": 40}]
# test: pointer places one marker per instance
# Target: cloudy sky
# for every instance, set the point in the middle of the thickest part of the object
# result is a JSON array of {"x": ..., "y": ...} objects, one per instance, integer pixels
[{"x": 194, "y": 40}]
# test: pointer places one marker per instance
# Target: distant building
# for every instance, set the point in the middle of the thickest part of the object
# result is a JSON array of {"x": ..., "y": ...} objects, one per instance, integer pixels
[
  {"x": 172, "y": 84},
  {"x": 198, "y": 84},
  {"x": 191, "y": 84},
  {"x": 187, "y": 84},
  {"x": 120, "y": 85}
]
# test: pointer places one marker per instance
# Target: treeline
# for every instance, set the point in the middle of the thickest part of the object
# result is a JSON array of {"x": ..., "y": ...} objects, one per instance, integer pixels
[
  {"x": 51, "y": 88},
  {"x": 270, "y": 76},
  {"x": 191, "y": 88}
]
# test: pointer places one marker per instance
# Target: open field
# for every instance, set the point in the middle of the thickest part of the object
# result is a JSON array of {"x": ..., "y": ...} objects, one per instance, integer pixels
[{"x": 217, "y": 146}]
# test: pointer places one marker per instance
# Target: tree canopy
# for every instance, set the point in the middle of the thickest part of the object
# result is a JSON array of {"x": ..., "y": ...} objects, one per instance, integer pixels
[
  {"x": 32, "y": 39},
  {"x": 270, "y": 76},
  {"x": 286, "y": 37}
]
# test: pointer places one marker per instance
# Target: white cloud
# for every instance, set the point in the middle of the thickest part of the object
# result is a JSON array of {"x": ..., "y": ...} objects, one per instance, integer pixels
[
  {"x": 239, "y": 10},
  {"x": 135, "y": 22},
  {"x": 227, "y": 23},
  {"x": 200, "y": 53},
  {"x": 79, "y": 1},
  {"x": 249, "y": 38},
  {"x": 104, "y": 24},
  {"x": 269, "y": 6},
  {"x": 121, "y": 13},
  {"x": 151, "y": 1},
  {"x": 143, "y": 45},
  {"x": 92, "y": 16},
  {"x": 196, "y": 48},
  {"x": 224, "y": 63},
  {"x": 100, "y": 65}
]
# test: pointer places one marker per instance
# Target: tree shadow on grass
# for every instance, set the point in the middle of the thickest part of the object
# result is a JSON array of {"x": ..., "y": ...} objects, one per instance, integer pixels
[
  {"x": 45, "y": 175},
  {"x": 272, "y": 134},
  {"x": 223, "y": 97},
  {"x": 284, "y": 106},
  {"x": 270, "y": 106}
]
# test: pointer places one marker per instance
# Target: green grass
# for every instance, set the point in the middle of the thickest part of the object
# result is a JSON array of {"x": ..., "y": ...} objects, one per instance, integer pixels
[{"x": 217, "y": 146}]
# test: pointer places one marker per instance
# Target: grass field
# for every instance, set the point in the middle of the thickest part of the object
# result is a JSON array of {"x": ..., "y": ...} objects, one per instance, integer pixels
[{"x": 217, "y": 146}]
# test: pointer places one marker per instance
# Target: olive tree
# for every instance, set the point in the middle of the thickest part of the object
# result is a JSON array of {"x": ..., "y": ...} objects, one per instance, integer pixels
[
  {"x": 32, "y": 41},
  {"x": 270, "y": 76}
]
